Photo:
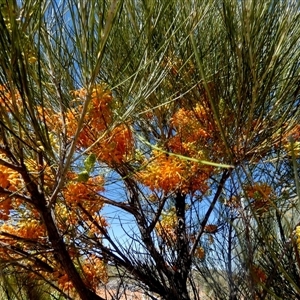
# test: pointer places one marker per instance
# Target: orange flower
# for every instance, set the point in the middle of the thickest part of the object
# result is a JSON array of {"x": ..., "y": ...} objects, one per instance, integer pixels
[
  {"x": 50, "y": 118},
  {"x": 192, "y": 138},
  {"x": 98, "y": 117},
  {"x": 100, "y": 114},
  {"x": 27, "y": 228},
  {"x": 168, "y": 172},
  {"x": 261, "y": 193},
  {"x": 5, "y": 207},
  {"x": 64, "y": 283},
  {"x": 166, "y": 228},
  {"x": 4, "y": 182},
  {"x": 95, "y": 271},
  {"x": 93, "y": 229},
  {"x": 233, "y": 202},
  {"x": 211, "y": 228},
  {"x": 258, "y": 191},
  {"x": 258, "y": 274},
  {"x": 195, "y": 133},
  {"x": 9, "y": 179},
  {"x": 191, "y": 125},
  {"x": 164, "y": 172},
  {"x": 32, "y": 229},
  {"x": 117, "y": 147},
  {"x": 66, "y": 217},
  {"x": 84, "y": 191},
  {"x": 10, "y": 101},
  {"x": 200, "y": 253},
  {"x": 34, "y": 168}
]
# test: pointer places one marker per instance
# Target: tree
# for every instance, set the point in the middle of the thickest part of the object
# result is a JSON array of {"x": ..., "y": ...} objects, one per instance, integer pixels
[{"x": 181, "y": 118}]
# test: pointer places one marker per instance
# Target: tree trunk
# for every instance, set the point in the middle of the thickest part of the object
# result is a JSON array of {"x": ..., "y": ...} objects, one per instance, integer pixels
[
  {"x": 183, "y": 261},
  {"x": 61, "y": 253}
]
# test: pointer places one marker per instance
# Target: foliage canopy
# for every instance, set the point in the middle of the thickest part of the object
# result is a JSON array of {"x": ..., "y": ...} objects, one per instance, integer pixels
[{"x": 175, "y": 122}]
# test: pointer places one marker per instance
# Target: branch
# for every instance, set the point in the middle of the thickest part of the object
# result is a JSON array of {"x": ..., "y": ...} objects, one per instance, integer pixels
[
  {"x": 183, "y": 260},
  {"x": 104, "y": 232},
  {"x": 28, "y": 256},
  {"x": 23, "y": 240},
  {"x": 146, "y": 277},
  {"x": 10, "y": 193},
  {"x": 225, "y": 176},
  {"x": 157, "y": 214},
  {"x": 10, "y": 166},
  {"x": 121, "y": 205},
  {"x": 145, "y": 230},
  {"x": 60, "y": 250},
  {"x": 48, "y": 281}
]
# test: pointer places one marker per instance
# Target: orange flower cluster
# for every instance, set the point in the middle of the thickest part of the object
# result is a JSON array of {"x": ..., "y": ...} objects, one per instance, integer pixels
[
  {"x": 38, "y": 171},
  {"x": 4, "y": 182},
  {"x": 27, "y": 228},
  {"x": 261, "y": 193},
  {"x": 117, "y": 147},
  {"x": 192, "y": 131},
  {"x": 64, "y": 283},
  {"x": 258, "y": 191},
  {"x": 200, "y": 253},
  {"x": 168, "y": 172},
  {"x": 9, "y": 101},
  {"x": 100, "y": 113},
  {"x": 66, "y": 217},
  {"x": 47, "y": 116},
  {"x": 94, "y": 272},
  {"x": 98, "y": 117},
  {"x": 166, "y": 227},
  {"x": 9, "y": 179},
  {"x": 32, "y": 229},
  {"x": 5, "y": 207},
  {"x": 93, "y": 229},
  {"x": 86, "y": 193},
  {"x": 117, "y": 144},
  {"x": 193, "y": 138},
  {"x": 211, "y": 228},
  {"x": 163, "y": 172}
]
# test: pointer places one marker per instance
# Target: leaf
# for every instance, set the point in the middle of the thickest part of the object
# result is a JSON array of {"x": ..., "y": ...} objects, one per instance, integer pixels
[
  {"x": 83, "y": 176},
  {"x": 89, "y": 162}
]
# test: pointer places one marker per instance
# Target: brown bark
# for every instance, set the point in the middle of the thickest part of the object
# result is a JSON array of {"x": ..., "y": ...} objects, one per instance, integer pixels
[
  {"x": 64, "y": 258},
  {"x": 57, "y": 242}
]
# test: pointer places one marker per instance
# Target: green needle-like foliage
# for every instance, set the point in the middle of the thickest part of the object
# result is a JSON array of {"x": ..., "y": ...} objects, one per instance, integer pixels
[{"x": 204, "y": 103}]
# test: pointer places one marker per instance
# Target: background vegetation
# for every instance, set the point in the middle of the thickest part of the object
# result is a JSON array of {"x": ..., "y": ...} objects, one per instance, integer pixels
[{"x": 160, "y": 139}]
